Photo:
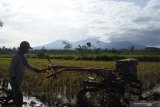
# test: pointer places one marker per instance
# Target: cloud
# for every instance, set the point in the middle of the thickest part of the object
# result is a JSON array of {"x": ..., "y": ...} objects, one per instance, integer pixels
[
  {"x": 43, "y": 21},
  {"x": 10, "y": 37},
  {"x": 144, "y": 37},
  {"x": 127, "y": 21}
]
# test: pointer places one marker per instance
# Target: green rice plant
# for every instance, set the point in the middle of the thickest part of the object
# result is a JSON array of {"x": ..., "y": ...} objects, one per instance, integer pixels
[
  {"x": 148, "y": 72},
  {"x": 67, "y": 86}
]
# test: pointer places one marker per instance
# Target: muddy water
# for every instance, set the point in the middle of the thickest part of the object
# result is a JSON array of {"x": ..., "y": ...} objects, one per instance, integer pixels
[
  {"x": 59, "y": 102},
  {"x": 32, "y": 102},
  {"x": 157, "y": 89},
  {"x": 28, "y": 101}
]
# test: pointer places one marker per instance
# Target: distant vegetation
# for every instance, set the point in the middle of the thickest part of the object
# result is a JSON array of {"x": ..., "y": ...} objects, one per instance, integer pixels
[{"x": 85, "y": 53}]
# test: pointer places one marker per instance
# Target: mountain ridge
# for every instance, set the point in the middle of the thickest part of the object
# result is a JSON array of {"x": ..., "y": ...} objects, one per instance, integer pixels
[{"x": 95, "y": 43}]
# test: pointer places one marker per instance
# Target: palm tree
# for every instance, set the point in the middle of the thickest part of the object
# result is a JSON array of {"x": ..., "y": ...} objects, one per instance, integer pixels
[
  {"x": 67, "y": 45},
  {"x": 88, "y": 44},
  {"x": 132, "y": 48}
]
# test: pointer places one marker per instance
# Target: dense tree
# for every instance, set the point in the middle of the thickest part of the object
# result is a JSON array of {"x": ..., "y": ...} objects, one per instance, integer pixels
[
  {"x": 82, "y": 49},
  {"x": 98, "y": 50},
  {"x": 43, "y": 50},
  {"x": 88, "y": 44},
  {"x": 132, "y": 48},
  {"x": 4, "y": 50},
  {"x": 67, "y": 45},
  {"x": 152, "y": 50},
  {"x": 99, "y": 43}
]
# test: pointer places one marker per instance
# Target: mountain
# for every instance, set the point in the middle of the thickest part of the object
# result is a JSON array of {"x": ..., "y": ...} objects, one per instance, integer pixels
[
  {"x": 123, "y": 45},
  {"x": 95, "y": 42},
  {"x": 53, "y": 45}
]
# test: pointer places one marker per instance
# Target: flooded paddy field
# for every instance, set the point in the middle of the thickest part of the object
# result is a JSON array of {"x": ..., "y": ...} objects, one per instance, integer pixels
[{"x": 55, "y": 92}]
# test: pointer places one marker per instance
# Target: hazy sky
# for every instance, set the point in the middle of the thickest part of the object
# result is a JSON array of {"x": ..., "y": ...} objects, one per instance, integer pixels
[{"x": 44, "y": 21}]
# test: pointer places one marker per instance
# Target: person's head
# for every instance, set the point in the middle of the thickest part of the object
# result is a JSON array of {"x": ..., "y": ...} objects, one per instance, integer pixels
[{"x": 24, "y": 47}]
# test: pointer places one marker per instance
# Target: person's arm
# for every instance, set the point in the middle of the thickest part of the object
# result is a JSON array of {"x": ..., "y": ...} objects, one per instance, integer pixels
[{"x": 29, "y": 66}]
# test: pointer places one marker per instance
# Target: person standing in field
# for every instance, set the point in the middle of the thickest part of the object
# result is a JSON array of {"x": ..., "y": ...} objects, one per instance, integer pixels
[{"x": 17, "y": 71}]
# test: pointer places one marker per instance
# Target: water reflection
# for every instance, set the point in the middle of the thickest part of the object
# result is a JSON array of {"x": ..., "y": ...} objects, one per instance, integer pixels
[{"x": 32, "y": 102}]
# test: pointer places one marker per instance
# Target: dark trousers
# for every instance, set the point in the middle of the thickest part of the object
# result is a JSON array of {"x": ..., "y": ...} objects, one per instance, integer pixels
[{"x": 17, "y": 95}]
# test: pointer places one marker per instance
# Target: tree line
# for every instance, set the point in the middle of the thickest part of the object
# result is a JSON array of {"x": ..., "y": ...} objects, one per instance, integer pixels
[{"x": 85, "y": 49}]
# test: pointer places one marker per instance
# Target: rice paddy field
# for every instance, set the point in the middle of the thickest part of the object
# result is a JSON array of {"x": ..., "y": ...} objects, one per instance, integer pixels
[{"x": 67, "y": 85}]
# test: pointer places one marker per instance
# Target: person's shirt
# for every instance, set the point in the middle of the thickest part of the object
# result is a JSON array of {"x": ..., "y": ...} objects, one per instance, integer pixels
[{"x": 17, "y": 67}]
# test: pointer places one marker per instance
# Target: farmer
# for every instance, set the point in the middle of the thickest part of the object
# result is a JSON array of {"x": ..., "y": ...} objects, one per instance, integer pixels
[{"x": 17, "y": 72}]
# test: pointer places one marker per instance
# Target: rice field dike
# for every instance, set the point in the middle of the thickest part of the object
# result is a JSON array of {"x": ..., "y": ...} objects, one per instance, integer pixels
[{"x": 66, "y": 86}]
